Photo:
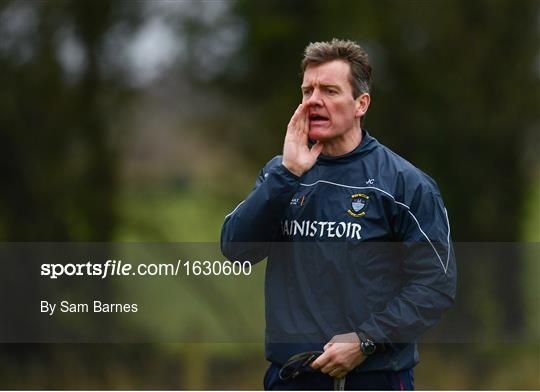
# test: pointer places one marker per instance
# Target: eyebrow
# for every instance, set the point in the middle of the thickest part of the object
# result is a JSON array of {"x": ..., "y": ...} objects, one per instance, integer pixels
[{"x": 322, "y": 85}]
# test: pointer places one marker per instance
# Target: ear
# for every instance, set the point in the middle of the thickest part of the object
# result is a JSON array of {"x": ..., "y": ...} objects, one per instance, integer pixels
[{"x": 362, "y": 104}]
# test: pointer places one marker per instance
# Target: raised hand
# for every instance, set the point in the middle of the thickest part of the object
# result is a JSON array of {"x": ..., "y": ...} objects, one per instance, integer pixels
[{"x": 298, "y": 158}]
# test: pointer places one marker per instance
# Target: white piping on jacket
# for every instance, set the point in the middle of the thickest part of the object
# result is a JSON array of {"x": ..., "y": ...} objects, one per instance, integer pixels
[
  {"x": 445, "y": 268},
  {"x": 233, "y": 211}
]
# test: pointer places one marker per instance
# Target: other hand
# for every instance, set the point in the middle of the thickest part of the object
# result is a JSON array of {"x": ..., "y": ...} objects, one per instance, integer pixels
[{"x": 341, "y": 355}]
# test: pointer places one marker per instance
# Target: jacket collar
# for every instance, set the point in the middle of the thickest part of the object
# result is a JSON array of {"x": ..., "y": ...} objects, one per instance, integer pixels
[{"x": 367, "y": 144}]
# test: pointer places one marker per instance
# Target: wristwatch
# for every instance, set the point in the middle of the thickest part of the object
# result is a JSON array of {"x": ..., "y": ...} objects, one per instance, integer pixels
[{"x": 366, "y": 344}]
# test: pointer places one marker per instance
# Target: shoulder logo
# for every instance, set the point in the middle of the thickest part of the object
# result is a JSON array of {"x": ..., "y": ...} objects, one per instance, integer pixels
[
  {"x": 298, "y": 201},
  {"x": 358, "y": 205}
]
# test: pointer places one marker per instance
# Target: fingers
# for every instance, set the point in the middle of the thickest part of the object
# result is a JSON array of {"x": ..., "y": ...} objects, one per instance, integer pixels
[
  {"x": 334, "y": 370},
  {"x": 324, "y": 358},
  {"x": 334, "y": 373},
  {"x": 327, "y": 362},
  {"x": 304, "y": 121},
  {"x": 294, "y": 118},
  {"x": 329, "y": 367},
  {"x": 321, "y": 361},
  {"x": 299, "y": 120},
  {"x": 337, "y": 373},
  {"x": 324, "y": 362}
]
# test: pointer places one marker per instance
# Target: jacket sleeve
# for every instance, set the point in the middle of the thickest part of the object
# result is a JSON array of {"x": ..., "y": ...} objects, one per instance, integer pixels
[
  {"x": 428, "y": 270},
  {"x": 250, "y": 228}
]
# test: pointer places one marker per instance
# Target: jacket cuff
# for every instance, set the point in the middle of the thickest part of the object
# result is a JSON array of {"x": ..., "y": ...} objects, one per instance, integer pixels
[
  {"x": 374, "y": 333},
  {"x": 281, "y": 169}
]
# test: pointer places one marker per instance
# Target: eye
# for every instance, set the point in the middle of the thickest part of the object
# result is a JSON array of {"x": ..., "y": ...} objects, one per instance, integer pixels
[
  {"x": 306, "y": 92},
  {"x": 331, "y": 91}
]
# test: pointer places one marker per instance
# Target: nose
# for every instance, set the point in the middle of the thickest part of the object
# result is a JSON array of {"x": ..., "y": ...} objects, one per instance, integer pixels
[{"x": 315, "y": 99}]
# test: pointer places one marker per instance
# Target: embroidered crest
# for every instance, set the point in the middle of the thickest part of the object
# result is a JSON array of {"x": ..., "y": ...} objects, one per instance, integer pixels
[{"x": 359, "y": 204}]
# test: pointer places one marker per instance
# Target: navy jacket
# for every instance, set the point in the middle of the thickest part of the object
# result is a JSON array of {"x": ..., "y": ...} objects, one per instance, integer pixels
[{"x": 359, "y": 242}]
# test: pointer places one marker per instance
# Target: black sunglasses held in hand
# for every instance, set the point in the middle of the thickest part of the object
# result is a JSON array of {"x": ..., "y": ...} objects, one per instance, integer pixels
[{"x": 297, "y": 364}]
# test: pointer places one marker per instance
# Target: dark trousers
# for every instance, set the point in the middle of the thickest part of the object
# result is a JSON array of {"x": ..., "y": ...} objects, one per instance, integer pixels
[{"x": 376, "y": 380}]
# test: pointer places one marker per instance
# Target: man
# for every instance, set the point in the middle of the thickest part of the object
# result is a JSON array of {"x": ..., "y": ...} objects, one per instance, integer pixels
[{"x": 360, "y": 261}]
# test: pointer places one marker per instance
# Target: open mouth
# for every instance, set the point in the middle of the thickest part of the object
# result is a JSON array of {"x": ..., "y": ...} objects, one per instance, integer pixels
[{"x": 317, "y": 118}]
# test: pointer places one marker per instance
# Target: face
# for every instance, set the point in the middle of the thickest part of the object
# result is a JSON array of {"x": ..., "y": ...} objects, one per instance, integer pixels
[{"x": 333, "y": 112}]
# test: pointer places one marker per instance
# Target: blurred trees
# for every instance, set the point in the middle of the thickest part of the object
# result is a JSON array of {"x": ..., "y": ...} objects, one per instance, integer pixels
[
  {"x": 57, "y": 152},
  {"x": 59, "y": 163}
]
